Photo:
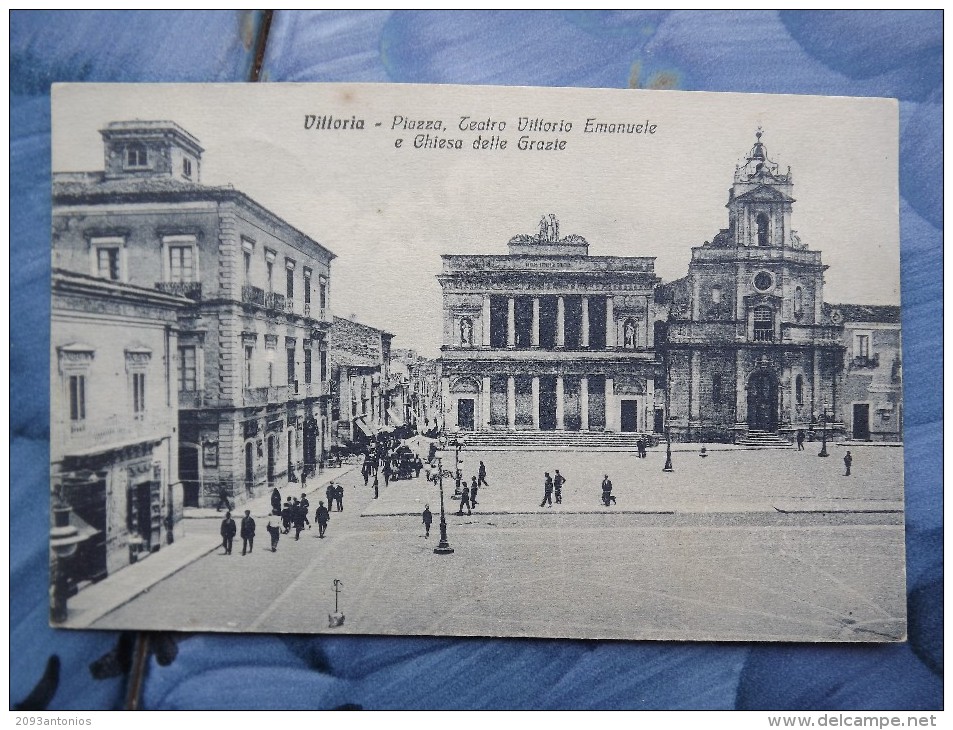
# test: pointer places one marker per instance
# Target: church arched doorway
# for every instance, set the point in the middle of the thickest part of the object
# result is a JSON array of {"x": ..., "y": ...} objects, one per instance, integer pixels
[{"x": 763, "y": 402}]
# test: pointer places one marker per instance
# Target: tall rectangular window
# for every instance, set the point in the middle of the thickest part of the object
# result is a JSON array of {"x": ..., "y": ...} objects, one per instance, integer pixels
[
  {"x": 138, "y": 394},
  {"x": 271, "y": 373},
  {"x": 307, "y": 365},
  {"x": 324, "y": 365},
  {"x": 247, "y": 257},
  {"x": 307, "y": 286},
  {"x": 323, "y": 296},
  {"x": 107, "y": 262},
  {"x": 181, "y": 263},
  {"x": 862, "y": 346},
  {"x": 716, "y": 388},
  {"x": 291, "y": 283},
  {"x": 77, "y": 398},
  {"x": 187, "y": 372},
  {"x": 291, "y": 366},
  {"x": 249, "y": 351}
]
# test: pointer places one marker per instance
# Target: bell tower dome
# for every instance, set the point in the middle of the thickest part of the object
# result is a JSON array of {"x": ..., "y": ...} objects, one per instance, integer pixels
[{"x": 759, "y": 202}]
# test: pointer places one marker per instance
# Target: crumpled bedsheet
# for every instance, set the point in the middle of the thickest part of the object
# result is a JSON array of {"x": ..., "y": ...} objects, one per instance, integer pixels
[{"x": 897, "y": 53}]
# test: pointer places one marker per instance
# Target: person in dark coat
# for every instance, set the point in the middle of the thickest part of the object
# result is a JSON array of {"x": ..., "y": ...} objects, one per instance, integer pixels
[
  {"x": 473, "y": 491},
  {"x": 305, "y": 506},
  {"x": 248, "y": 532},
  {"x": 223, "y": 499},
  {"x": 547, "y": 491},
  {"x": 275, "y": 533},
  {"x": 607, "y": 497},
  {"x": 465, "y": 500},
  {"x": 428, "y": 520},
  {"x": 276, "y": 502},
  {"x": 366, "y": 468},
  {"x": 329, "y": 493},
  {"x": 321, "y": 516},
  {"x": 800, "y": 440},
  {"x": 558, "y": 482},
  {"x": 387, "y": 472},
  {"x": 286, "y": 516},
  {"x": 481, "y": 475},
  {"x": 297, "y": 518},
  {"x": 228, "y": 531},
  {"x": 848, "y": 460},
  {"x": 339, "y": 496}
]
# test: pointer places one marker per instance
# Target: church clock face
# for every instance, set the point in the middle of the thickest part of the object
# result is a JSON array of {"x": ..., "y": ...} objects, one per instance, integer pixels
[{"x": 762, "y": 281}]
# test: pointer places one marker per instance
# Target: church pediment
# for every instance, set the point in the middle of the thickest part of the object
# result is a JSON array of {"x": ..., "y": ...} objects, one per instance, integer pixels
[{"x": 764, "y": 194}]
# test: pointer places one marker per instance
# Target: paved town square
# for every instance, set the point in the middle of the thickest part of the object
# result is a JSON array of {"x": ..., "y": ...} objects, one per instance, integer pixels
[{"x": 770, "y": 544}]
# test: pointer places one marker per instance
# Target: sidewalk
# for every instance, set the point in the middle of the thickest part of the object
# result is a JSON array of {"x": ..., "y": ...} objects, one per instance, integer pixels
[{"x": 196, "y": 535}]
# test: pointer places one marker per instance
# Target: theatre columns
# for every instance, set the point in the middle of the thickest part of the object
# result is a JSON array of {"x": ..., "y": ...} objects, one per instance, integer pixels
[
  {"x": 511, "y": 401},
  {"x": 535, "y": 403},
  {"x": 560, "y": 403},
  {"x": 585, "y": 322},
  {"x": 510, "y": 322},
  {"x": 584, "y": 403},
  {"x": 610, "y": 324},
  {"x": 535, "y": 332}
]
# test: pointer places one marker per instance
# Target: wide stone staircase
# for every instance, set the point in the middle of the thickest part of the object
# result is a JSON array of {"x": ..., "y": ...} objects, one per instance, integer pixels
[
  {"x": 530, "y": 440},
  {"x": 764, "y": 440}
]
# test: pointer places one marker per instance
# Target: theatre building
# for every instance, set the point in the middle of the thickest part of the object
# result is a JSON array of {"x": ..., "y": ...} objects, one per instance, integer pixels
[{"x": 548, "y": 338}]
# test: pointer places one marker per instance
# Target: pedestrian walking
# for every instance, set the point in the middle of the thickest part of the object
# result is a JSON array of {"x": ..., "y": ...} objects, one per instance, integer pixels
[
  {"x": 228, "y": 530},
  {"x": 465, "y": 501},
  {"x": 481, "y": 476},
  {"x": 223, "y": 499},
  {"x": 305, "y": 506},
  {"x": 329, "y": 493},
  {"x": 607, "y": 496},
  {"x": 428, "y": 520},
  {"x": 275, "y": 501},
  {"x": 298, "y": 517},
  {"x": 275, "y": 533},
  {"x": 387, "y": 472},
  {"x": 800, "y": 440},
  {"x": 547, "y": 491},
  {"x": 286, "y": 516},
  {"x": 366, "y": 468},
  {"x": 339, "y": 496},
  {"x": 558, "y": 482},
  {"x": 640, "y": 447},
  {"x": 321, "y": 516},
  {"x": 473, "y": 491},
  {"x": 848, "y": 460},
  {"x": 248, "y": 532}
]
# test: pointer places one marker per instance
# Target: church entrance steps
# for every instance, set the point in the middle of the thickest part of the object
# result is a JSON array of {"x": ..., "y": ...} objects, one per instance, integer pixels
[{"x": 764, "y": 440}]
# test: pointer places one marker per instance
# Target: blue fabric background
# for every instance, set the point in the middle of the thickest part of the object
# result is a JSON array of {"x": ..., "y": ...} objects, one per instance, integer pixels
[{"x": 897, "y": 53}]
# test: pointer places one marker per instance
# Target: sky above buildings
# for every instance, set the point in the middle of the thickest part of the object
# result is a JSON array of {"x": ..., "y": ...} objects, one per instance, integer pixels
[{"x": 388, "y": 213}]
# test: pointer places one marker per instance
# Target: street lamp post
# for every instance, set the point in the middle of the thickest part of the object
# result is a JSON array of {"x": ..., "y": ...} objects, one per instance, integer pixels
[
  {"x": 668, "y": 450},
  {"x": 443, "y": 547},
  {"x": 668, "y": 404},
  {"x": 457, "y": 442},
  {"x": 64, "y": 539},
  {"x": 823, "y": 451}
]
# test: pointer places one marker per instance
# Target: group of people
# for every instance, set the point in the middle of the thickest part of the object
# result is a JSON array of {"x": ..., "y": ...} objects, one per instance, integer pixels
[
  {"x": 552, "y": 486},
  {"x": 468, "y": 493},
  {"x": 228, "y": 530}
]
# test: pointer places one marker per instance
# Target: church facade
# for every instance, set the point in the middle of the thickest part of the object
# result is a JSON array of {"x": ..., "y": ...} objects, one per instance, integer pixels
[{"x": 743, "y": 349}]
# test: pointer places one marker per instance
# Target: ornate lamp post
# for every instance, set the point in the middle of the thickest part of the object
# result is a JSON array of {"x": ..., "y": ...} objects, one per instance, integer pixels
[
  {"x": 823, "y": 451},
  {"x": 443, "y": 547},
  {"x": 668, "y": 431},
  {"x": 457, "y": 441},
  {"x": 64, "y": 539}
]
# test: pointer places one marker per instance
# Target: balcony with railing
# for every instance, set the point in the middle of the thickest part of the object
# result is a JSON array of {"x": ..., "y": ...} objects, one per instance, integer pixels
[
  {"x": 253, "y": 295},
  {"x": 763, "y": 334},
  {"x": 686, "y": 332},
  {"x": 188, "y": 289},
  {"x": 866, "y": 362},
  {"x": 807, "y": 334},
  {"x": 275, "y": 301},
  {"x": 92, "y": 436}
]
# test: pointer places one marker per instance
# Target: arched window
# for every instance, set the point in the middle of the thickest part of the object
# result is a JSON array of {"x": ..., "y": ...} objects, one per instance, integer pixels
[
  {"x": 798, "y": 302},
  {"x": 763, "y": 324},
  {"x": 799, "y": 390},
  {"x": 716, "y": 295},
  {"x": 762, "y": 220},
  {"x": 136, "y": 156}
]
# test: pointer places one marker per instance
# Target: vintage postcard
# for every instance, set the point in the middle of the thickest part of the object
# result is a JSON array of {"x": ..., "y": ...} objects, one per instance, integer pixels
[{"x": 476, "y": 361}]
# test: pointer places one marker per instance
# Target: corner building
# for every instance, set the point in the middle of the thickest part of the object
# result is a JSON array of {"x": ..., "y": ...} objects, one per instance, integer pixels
[
  {"x": 548, "y": 338},
  {"x": 251, "y": 361},
  {"x": 748, "y": 346}
]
